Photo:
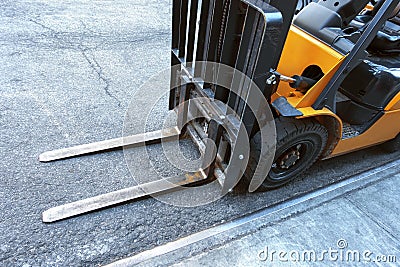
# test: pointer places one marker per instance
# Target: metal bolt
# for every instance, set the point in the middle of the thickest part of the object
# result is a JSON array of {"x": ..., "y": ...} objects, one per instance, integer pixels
[
  {"x": 272, "y": 79},
  {"x": 241, "y": 157}
]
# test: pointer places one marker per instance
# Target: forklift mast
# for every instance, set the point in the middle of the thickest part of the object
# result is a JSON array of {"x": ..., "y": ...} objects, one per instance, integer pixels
[{"x": 247, "y": 35}]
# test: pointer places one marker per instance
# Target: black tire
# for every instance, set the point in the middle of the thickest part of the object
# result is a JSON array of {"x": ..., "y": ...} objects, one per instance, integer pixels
[
  {"x": 392, "y": 145},
  {"x": 299, "y": 144}
]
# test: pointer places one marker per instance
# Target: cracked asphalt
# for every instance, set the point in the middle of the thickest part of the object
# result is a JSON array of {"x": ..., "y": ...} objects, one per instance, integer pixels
[{"x": 69, "y": 70}]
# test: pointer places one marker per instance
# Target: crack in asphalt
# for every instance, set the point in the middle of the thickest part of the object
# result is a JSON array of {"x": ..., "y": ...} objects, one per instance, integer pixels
[
  {"x": 85, "y": 51},
  {"x": 43, "y": 26},
  {"x": 86, "y": 27},
  {"x": 94, "y": 64}
]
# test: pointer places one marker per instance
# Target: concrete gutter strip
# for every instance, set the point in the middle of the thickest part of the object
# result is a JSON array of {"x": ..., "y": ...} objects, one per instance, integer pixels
[{"x": 249, "y": 224}]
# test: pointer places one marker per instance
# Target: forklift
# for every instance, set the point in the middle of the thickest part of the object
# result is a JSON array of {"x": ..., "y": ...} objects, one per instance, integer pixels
[{"x": 265, "y": 89}]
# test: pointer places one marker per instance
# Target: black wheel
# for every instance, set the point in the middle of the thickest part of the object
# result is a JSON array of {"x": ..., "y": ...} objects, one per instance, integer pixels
[
  {"x": 392, "y": 145},
  {"x": 299, "y": 145}
]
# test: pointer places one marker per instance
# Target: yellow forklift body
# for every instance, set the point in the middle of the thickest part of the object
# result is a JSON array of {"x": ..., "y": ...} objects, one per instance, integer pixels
[
  {"x": 302, "y": 50},
  {"x": 383, "y": 130}
]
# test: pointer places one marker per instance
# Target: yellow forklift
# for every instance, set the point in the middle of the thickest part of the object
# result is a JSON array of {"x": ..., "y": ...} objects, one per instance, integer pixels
[{"x": 266, "y": 88}]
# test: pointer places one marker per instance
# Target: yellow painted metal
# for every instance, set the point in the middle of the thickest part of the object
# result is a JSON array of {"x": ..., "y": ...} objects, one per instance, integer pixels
[
  {"x": 383, "y": 130},
  {"x": 394, "y": 104},
  {"x": 309, "y": 112},
  {"x": 302, "y": 50}
]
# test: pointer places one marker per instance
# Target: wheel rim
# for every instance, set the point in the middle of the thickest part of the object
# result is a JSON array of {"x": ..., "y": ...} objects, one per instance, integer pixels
[{"x": 291, "y": 161}]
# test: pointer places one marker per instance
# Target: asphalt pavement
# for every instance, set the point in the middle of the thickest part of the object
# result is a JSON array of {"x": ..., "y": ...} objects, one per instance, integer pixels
[{"x": 69, "y": 72}]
